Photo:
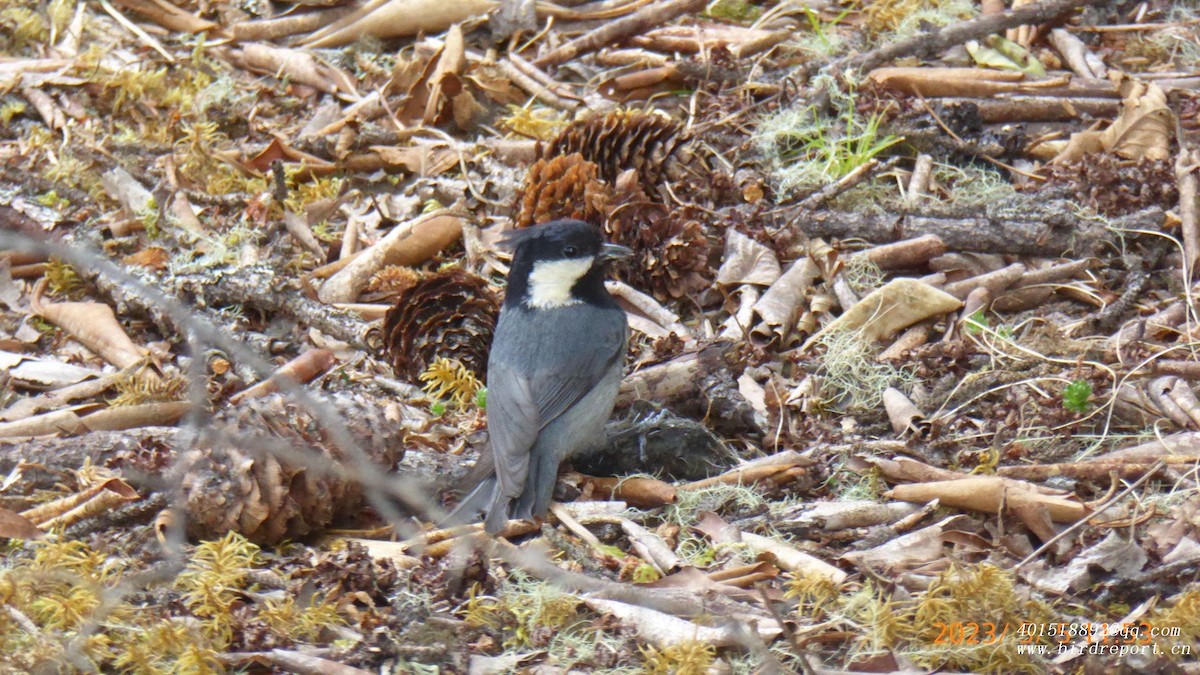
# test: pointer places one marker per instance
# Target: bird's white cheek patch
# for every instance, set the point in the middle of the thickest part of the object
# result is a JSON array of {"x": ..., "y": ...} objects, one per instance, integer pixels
[{"x": 550, "y": 283}]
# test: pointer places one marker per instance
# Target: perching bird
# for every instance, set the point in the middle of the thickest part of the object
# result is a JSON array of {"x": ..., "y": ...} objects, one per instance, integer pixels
[{"x": 555, "y": 364}]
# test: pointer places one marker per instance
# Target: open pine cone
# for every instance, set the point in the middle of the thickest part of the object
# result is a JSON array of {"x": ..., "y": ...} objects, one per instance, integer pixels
[
  {"x": 268, "y": 470},
  {"x": 451, "y": 314},
  {"x": 623, "y": 140},
  {"x": 561, "y": 187},
  {"x": 672, "y": 256}
]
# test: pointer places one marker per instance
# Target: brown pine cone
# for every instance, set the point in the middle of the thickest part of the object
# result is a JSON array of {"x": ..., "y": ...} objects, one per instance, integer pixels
[
  {"x": 561, "y": 187},
  {"x": 672, "y": 256},
  {"x": 623, "y": 140},
  {"x": 451, "y": 314},
  {"x": 268, "y": 470}
]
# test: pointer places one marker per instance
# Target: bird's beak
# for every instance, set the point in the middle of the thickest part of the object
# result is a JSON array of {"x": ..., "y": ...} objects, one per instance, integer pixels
[{"x": 614, "y": 252}]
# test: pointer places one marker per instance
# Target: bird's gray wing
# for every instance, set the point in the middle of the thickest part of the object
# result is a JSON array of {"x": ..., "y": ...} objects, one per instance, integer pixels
[
  {"x": 513, "y": 425},
  {"x": 529, "y": 389}
]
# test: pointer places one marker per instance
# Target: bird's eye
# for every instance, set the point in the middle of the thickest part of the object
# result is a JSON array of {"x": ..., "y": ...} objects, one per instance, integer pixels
[{"x": 570, "y": 251}]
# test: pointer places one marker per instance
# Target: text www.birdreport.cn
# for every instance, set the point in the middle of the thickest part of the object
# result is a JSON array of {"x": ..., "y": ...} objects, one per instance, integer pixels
[{"x": 1064, "y": 637}]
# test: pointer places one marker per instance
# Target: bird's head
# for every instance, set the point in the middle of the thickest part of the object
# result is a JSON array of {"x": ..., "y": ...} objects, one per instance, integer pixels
[{"x": 558, "y": 264}]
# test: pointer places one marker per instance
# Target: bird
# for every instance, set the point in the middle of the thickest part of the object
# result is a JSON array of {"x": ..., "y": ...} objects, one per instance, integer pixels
[{"x": 555, "y": 364}]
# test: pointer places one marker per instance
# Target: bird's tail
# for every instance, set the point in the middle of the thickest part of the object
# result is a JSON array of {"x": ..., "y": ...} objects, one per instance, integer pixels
[{"x": 476, "y": 502}]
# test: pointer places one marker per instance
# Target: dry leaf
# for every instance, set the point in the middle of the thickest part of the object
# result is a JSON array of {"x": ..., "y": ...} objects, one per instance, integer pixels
[
  {"x": 792, "y": 559},
  {"x": 397, "y": 18},
  {"x": 1142, "y": 130},
  {"x": 93, "y": 325},
  {"x": 408, "y": 244},
  {"x": 909, "y": 550},
  {"x": 930, "y": 82},
  {"x": 292, "y": 64},
  {"x": 664, "y": 630},
  {"x": 779, "y": 305},
  {"x": 747, "y": 262},
  {"x": 15, "y": 526},
  {"x": 987, "y": 494},
  {"x": 42, "y": 373},
  {"x": 888, "y": 310},
  {"x": 300, "y": 370}
]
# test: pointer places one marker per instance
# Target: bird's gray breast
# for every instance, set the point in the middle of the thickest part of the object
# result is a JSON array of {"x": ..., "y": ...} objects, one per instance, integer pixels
[{"x": 573, "y": 341}]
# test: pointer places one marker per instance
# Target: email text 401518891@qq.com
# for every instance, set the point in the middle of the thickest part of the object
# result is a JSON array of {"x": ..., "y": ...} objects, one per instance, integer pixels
[{"x": 1083, "y": 637}]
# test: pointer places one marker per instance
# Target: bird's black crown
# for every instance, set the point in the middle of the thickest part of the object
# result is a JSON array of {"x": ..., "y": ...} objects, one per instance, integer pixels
[{"x": 555, "y": 240}]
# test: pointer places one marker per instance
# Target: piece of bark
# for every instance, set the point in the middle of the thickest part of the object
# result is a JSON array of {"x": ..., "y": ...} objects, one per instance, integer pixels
[
  {"x": 1186, "y": 163},
  {"x": 701, "y": 384},
  {"x": 930, "y": 44},
  {"x": 1091, "y": 471},
  {"x": 1051, "y": 229}
]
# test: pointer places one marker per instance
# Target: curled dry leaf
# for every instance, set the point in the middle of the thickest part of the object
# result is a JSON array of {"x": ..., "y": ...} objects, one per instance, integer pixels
[
  {"x": 834, "y": 516},
  {"x": 643, "y": 493},
  {"x": 123, "y": 187},
  {"x": 168, "y": 16},
  {"x": 651, "y": 548},
  {"x": 293, "y": 64},
  {"x": 906, "y": 418},
  {"x": 397, "y": 18},
  {"x": 747, "y": 262},
  {"x": 408, "y": 244},
  {"x": 135, "y": 416},
  {"x": 42, "y": 373},
  {"x": 930, "y": 82},
  {"x": 93, "y": 324},
  {"x": 1143, "y": 130},
  {"x": 792, "y": 559},
  {"x": 87, "y": 503},
  {"x": 300, "y": 370},
  {"x": 663, "y": 630},
  {"x": 15, "y": 526},
  {"x": 887, "y": 310},
  {"x": 988, "y": 494},
  {"x": 909, "y": 550},
  {"x": 66, "y": 422},
  {"x": 901, "y": 254},
  {"x": 779, "y": 305},
  {"x": 637, "y": 303}
]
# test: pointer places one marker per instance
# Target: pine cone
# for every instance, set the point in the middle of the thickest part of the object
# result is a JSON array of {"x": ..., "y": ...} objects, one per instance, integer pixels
[
  {"x": 671, "y": 255},
  {"x": 561, "y": 187},
  {"x": 268, "y": 470},
  {"x": 451, "y": 314},
  {"x": 389, "y": 282},
  {"x": 1116, "y": 186},
  {"x": 623, "y": 140}
]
